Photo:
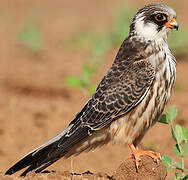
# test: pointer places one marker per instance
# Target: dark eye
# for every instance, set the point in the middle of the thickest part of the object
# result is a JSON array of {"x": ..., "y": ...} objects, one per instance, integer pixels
[{"x": 160, "y": 17}]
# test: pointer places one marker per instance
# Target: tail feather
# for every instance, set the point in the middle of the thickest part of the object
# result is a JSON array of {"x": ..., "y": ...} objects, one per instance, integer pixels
[
  {"x": 51, "y": 151},
  {"x": 30, "y": 159},
  {"x": 36, "y": 168}
]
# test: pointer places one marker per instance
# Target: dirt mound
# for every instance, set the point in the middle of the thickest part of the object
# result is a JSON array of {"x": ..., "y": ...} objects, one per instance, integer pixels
[{"x": 148, "y": 170}]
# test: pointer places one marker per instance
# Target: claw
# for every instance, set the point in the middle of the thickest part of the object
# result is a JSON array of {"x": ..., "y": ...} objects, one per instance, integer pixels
[{"x": 136, "y": 155}]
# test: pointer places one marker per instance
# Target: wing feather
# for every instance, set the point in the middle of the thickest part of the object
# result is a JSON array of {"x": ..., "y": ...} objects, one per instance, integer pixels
[{"x": 118, "y": 93}]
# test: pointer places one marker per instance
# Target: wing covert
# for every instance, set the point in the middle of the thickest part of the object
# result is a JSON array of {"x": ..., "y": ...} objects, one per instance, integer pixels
[{"x": 123, "y": 88}]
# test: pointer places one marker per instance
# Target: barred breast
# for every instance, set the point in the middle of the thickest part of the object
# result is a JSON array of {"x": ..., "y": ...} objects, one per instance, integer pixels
[{"x": 132, "y": 127}]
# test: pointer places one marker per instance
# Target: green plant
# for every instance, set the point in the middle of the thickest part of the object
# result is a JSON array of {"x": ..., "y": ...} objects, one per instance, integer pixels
[
  {"x": 30, "y": 37},
  {"x": 180, "y": 135},
  {"x": 84, "y": 81}
]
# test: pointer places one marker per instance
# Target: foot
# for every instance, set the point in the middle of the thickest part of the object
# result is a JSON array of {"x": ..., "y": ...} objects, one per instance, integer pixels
[{"x": 136, "y": 154}]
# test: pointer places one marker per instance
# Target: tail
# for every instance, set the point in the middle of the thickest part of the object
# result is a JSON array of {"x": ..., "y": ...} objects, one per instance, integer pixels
[{"x": 51, "y": 151}]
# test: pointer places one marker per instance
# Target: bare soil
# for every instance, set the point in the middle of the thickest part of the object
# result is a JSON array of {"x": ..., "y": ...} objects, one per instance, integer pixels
[
  {"x": 35, "y": 102},
  {"x": 148, "y": 170}
]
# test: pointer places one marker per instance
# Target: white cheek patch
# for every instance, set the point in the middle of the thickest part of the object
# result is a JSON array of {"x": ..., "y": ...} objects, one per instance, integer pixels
[{"x": 147, "y": 31}]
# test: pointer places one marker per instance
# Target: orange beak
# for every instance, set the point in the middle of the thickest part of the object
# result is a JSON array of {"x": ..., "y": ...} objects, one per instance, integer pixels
[{"x": 172, "y": 24}]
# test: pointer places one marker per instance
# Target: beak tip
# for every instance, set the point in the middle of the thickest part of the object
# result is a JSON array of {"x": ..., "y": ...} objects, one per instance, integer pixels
[
  {"x": 176, "y": 27},
  {"x": 172, "y": 24}
]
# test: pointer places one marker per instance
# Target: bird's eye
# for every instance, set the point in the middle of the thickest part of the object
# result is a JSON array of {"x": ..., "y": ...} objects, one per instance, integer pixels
[{"x": 160, "y": 17}]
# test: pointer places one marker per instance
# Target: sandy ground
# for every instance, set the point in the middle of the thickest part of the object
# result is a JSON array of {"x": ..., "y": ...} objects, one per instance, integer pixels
[
  {"x": 36, "y": 104},
  {"x": 148, "y": 169}
]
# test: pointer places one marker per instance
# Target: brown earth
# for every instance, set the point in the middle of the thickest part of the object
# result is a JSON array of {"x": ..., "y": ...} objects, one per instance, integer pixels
[
  {"x": 36, "y": 104},
  {"x": 148, "y": 170}
]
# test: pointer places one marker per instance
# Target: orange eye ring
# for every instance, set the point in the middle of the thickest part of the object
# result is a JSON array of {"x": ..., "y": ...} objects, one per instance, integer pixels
[{"x": 160, "y": 17}]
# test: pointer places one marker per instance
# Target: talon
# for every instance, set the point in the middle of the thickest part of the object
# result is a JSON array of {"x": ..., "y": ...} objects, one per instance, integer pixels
[
  {"x": 156, "y": 157},
  {"x": 136, "y": 154},
  {"x": 130, "y": 156},
  {"x": 137, "y": 162}
]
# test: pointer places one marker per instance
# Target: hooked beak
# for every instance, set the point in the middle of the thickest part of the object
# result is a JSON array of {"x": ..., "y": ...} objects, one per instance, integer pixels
[{"x": 172, "y": 24}]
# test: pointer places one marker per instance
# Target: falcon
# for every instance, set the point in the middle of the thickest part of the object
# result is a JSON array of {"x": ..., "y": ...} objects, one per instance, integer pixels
[{"x": 128, "y": 101}]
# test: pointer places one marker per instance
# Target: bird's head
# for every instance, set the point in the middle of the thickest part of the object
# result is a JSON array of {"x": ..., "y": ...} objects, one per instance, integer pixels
[{"x": 154, "y": 22}]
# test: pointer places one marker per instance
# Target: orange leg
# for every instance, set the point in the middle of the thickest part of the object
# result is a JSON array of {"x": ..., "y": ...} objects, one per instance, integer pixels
[{"x": 136, "y": 154}]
